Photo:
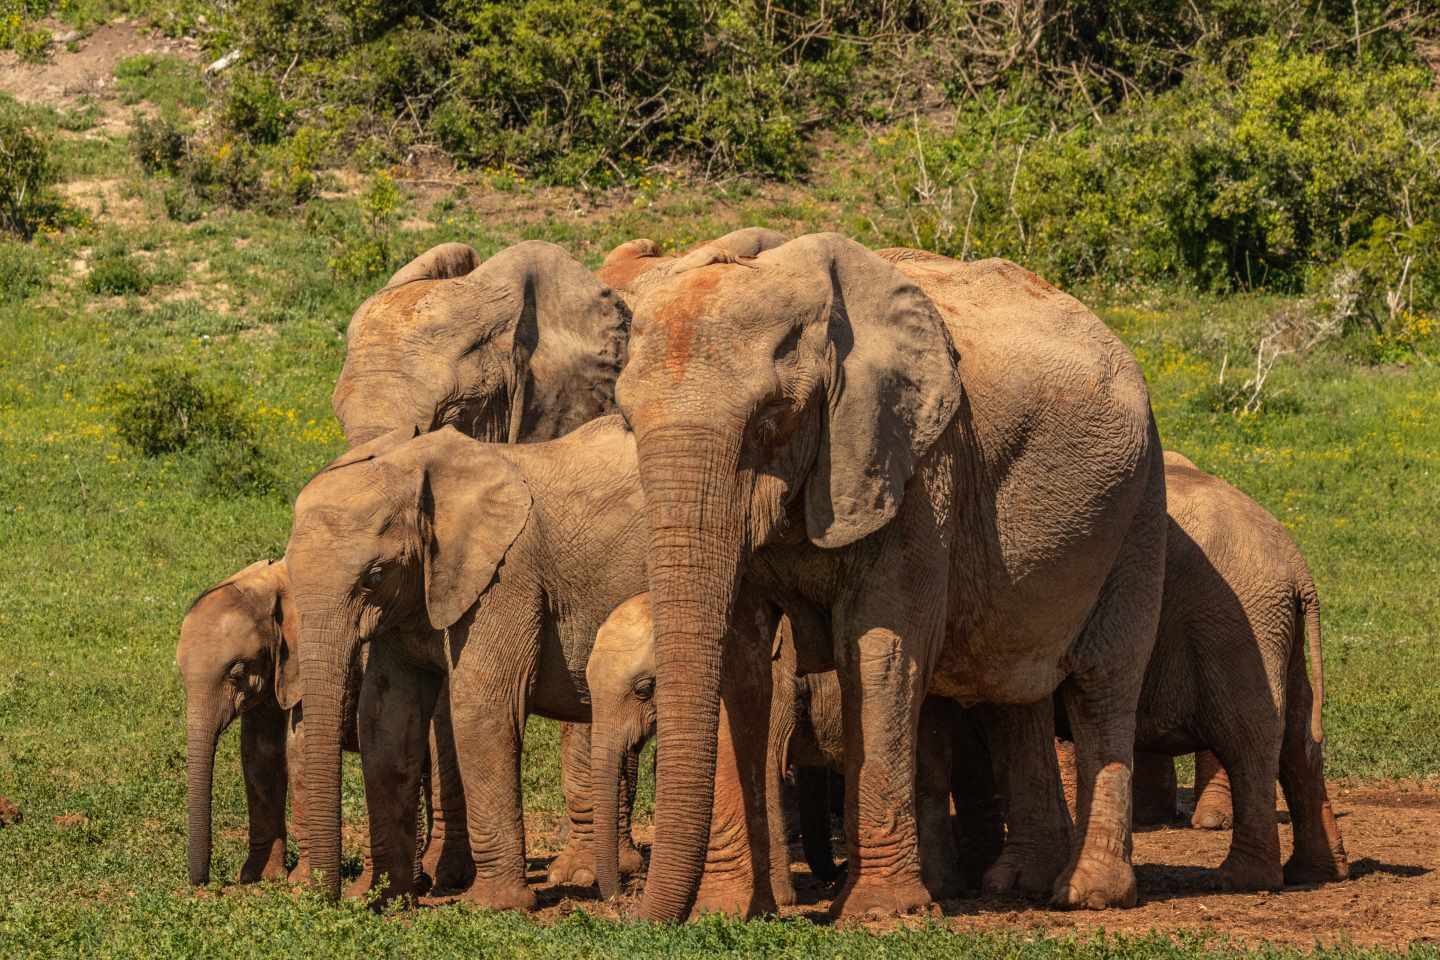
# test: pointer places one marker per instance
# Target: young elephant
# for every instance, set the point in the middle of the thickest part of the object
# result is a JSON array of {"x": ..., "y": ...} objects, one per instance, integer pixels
[
  {"x": 1228, "y": 673},
  {"x": 490, "y": 564},
  {"x": 236, "y": 656}
]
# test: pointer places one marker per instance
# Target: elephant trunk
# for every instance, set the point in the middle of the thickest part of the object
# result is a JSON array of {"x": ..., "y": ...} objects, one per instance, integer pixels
[
  {"x": 696, "y": 543},
  {"x": 326, "y": 656},
  {"x": 202, "y": 734},
  {"x": 607, "y": 764}
]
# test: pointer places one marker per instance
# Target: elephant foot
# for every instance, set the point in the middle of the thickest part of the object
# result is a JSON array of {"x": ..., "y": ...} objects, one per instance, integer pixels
[
  {"x": 1212, "y": 816},
  {"x": 449, "y": 871},
  {"x": 632, "y": 861},
  {"x": 492, "y": 894},
  {"x": 1027, "y": 872},
  {"x": 880, "y": 897},
  {"x": 301, "y": 873},
  {"x": 1304, "y": 870},
  {"x": 1242, "y": 872},
  {"x": 1096, "y": 882},
  {"x": 732, "y": 899},
  {"x": 267, "y": 864},
  {"x": 575, "y": 865},
  {"x": 782, "y": 886}
]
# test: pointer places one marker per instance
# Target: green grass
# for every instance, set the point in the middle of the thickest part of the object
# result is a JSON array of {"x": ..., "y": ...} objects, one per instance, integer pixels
[{"x": 105, "y": 548}]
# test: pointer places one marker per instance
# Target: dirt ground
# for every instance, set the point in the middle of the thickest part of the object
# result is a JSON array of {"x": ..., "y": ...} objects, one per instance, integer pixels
[{"x": 1392, "y": 899}]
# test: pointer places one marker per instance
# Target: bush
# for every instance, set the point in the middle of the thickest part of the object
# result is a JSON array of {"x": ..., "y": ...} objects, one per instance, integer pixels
[
  {"x": 253, "y": 109},
  {"x": 369, "y": 254},
  {"x": 23, "y": 270},
  {"x": 117, "y": 275},
  {"x": 157, "y": 144},
  {"x": 27, "y": 174},
  {"x": 170, "y": 410}
]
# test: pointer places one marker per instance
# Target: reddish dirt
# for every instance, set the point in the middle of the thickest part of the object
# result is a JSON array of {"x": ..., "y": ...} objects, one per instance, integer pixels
[
  {"x": 1392, "y": 899},
  {"x": 9, "y": 813}
]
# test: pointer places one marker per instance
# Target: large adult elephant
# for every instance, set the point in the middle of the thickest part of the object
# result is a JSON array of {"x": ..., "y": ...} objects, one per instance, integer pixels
[{"x": 957, "y": 466}]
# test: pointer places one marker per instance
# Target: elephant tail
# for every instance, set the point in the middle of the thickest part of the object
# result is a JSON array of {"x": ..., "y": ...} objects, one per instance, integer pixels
[{"x": 1309, "y": 603}]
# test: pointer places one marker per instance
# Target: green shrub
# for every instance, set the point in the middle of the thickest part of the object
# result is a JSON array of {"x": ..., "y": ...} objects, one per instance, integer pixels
[
  {"x": 170, "y": 410},
  {"x": 27, "y": 174},
  {"x": 169, "y": 82},
  {"x": 117, "y": 275},
  {"x": 158, "y": 145},
  {"x": 367, "y": 254},
  {"x": 253, "y": 109}
]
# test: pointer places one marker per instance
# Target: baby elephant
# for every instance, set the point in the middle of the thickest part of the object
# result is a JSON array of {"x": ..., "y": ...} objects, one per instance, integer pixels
[
  {"x": 1228, "y": 673},
  {"x": 236, "y": 656}
]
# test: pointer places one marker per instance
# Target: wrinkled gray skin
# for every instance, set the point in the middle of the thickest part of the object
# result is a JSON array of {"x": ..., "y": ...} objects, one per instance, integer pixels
[
  {"x": 805, "y": 731},
  {"x": 490, "y": 564},
  {"x": 1229, "y": 673},
  {"x": 522, "y": 347},
  {"x": 637, "y": 265},
  {"x": 956, "y": 464}
]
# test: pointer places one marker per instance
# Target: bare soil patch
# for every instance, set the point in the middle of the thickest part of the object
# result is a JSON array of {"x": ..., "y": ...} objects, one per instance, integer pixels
[{"x": 1392, "y": 899}]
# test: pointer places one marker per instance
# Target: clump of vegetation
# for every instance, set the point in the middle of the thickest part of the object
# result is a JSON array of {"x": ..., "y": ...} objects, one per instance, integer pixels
[
  {"x": 158, "y": 145},
  {"x": 18, "y": 32},
  {"x": 370, "y": 253},
  {"x": 27, "y": 174},
  {"x": 23, "y": 270},
  {"x": 117, "y": 275},
  {"x": 170, "y": 410},
  {"x": 166, "y": 81}
]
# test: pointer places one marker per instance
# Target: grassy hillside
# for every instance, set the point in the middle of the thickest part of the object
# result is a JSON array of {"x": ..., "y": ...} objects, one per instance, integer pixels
[{"x": 142, "y": 278}]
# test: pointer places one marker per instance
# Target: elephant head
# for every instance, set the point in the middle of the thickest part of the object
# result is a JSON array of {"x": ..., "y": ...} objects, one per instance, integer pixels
[
  {"x": 524, "y": 346},
  {"x": 636, "y": 265},
  {"x": 784, "y": 398},
  {"x": 398, "y": 533},
  {"x": 236, "y": 651},
  {"x": 621, "y": 678}
]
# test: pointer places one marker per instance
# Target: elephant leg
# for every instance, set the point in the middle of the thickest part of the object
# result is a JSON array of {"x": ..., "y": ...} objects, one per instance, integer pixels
[
  {"x": 782, "y": 723},
  {"x": 812, "y": 788},
  {"x": 979, "y": 826},
  {"x": 1069, "y": 778},
  {"x": 447, "y": 855},
  {"x": 1319, "y": 854},
  {"x": 939, "y": 856},
  {"x": 393, "y": 716},
  {"x": 1038, "y": 842},
  {"x": 295, "y": 769},
  {"x": 1253, "y": 862},
  {"x": 1156, "y": 794},
  {"x": 576, "y": 863},
  {"x": 882, "y": 688},
  {"x": 1212, "y": 794},
  {"x": 736, "y": 878},
  {"x": 262, "y": 759},
  {"x": 488, "y": 711}
]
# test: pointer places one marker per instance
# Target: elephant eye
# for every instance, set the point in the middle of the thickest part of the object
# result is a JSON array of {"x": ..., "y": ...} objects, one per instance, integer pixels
[
  {"x": 645, "y": 688},
  {"x": 237, "y": 670},
  {"x": 373, "y": 576}
]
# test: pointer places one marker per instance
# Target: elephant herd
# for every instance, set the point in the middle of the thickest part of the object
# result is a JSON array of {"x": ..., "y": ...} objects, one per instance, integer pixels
[{"x": 778, "y": 503}]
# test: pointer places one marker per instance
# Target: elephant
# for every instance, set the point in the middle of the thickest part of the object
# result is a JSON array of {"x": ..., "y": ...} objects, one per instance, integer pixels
[
  {"x": 805, "y": 730},
  {"x": 522, "y": 347},
  {"x": 1228, "y": 674},
  {"x": 236, "y": 656},
  {"x": 956, "y": 467},
  {"x": 490, "y": 565}
]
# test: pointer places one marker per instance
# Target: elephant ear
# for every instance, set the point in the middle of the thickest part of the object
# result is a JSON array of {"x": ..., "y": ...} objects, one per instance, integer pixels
[
  {"x": 371, "y": 449},
  {"x": 894, "y": 387},
  {"x": 747, "y": 242},
  {"x": 287, "y": 650},
  {"x": 570, "y": 334},
  {"x": 472, "y": 508},
  {"x": 441, "y": 262}
]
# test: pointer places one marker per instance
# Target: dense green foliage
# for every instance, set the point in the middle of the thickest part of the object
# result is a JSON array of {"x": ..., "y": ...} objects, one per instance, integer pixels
[{"x": 27, "y": 173}]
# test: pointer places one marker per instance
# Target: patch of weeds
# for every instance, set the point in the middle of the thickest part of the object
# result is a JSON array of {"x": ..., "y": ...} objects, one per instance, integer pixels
[
  {"x": 166, "y": 81},
  {"x": 158, "y": 145},
  {"x": 118, "y": 275},
  {"x": 30, "y": 41},
  {"x": 84, "y": 116},
  {"x": 371, "y": 254},
  {"x": 253, "y": 108},
  {"x": 170, "y": 410},
  {"x": 23, "y": 270}
]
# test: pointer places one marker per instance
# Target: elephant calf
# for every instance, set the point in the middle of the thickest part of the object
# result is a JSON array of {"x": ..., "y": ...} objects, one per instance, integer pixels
[
  {"x": 1228, "y": 674},
  {"x": 237, "y": 659}
]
